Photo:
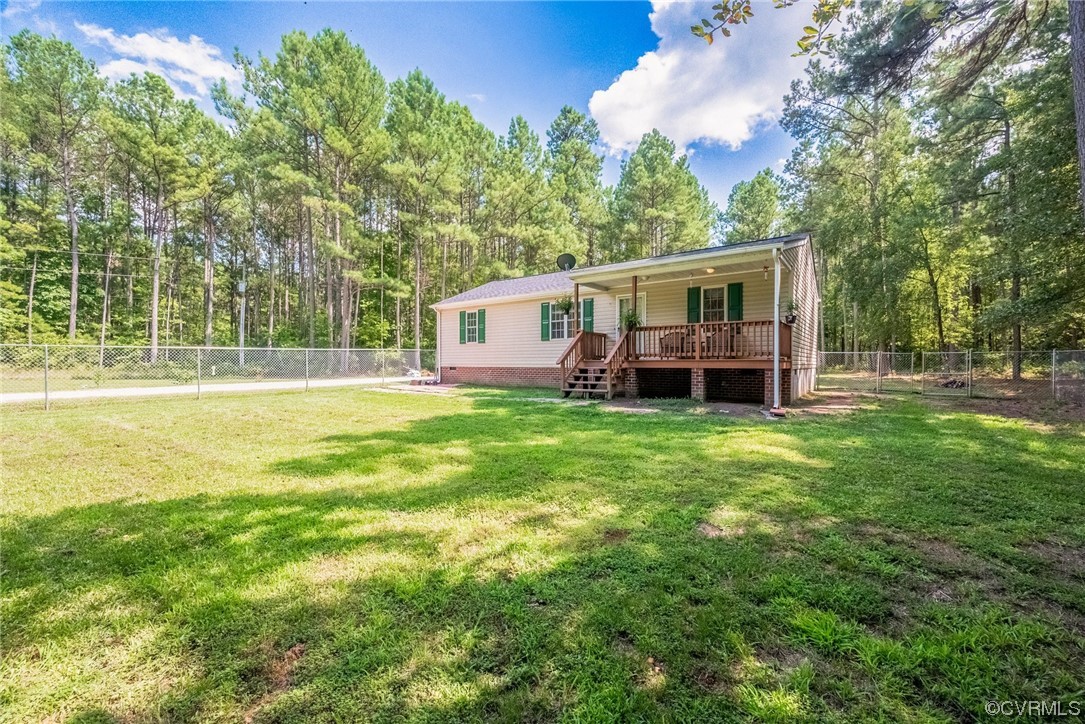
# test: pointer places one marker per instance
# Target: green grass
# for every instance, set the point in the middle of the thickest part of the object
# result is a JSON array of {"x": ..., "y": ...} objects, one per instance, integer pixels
[{"x": 348, "y": 554}]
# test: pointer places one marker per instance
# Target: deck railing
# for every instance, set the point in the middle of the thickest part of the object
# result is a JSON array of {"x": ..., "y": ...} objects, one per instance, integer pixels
[
  {"x": 709, "y": 341},
  {"x": 617, "y": 358},
  {"x": 584, "y": 346}
]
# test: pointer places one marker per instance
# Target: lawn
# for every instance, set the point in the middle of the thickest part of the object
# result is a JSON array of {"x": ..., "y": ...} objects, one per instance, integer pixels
[{"x": 356, "y": 555}]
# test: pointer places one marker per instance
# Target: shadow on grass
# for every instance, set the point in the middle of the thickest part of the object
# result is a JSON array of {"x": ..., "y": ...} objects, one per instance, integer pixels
[{"x": 534, "y": 562}]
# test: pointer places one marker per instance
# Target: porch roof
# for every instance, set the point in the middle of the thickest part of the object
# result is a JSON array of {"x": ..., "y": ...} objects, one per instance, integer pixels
[{"x": 747, "y": 256}]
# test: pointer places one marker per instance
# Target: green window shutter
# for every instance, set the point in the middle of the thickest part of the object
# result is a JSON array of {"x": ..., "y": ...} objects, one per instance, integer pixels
[
  {"x": 546, "y": 321},
  {"x": 693, "y": 305},
  {"x": 588, "y": 323},
  {"x": 482, "y": 326},
  {"x": 463, "y": 327},
  {"x": 734, "y": 302}
]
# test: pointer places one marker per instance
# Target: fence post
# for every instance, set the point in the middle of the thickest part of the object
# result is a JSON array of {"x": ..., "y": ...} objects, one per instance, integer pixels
[
  {"x": 46, "y": 377},
  {"x": 911, "y": 378},
  {"x": 878, "y": 373},
  {"x": 306, "y": 369},
  {"x": 1054, "y": 385},
  {"x": 922, "y": 372},
  {"x": 968, "y": 361},
  {"x": 199, "y": 371}
]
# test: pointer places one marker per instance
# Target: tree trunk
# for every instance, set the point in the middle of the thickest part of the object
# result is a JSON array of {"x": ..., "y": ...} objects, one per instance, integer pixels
[
  {"x": 208, "y": 281},
  {"x": 418, "y": 288},
  {"x": 73, "y": 226},
  {"x": 156, "y": 269},
  {"x": 105, "y": 305},
  {"x": 271, "y": 287},
  {"x": 1077, "y": 70},
  {"x": 1015, "y": 254},
  {"x": 399, "y": 299},
  {"x": 30, "y": 300},
  {"x": 311, "y": 302}
]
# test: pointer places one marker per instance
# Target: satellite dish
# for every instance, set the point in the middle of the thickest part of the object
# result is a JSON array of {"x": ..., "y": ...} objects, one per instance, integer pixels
[{"x": 566, "y": 262}]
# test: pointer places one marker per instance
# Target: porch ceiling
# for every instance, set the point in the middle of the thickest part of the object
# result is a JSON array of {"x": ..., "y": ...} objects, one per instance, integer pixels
[{"x": 696, "y": 269}]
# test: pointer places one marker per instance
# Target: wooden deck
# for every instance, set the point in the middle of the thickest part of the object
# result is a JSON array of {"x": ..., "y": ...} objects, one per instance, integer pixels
[{"x": 588, "y": 367}]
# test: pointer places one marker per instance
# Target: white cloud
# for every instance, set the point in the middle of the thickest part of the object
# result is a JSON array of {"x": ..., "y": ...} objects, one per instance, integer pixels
[
  {"x": 14, "y": 8},
  {"x": 191, "y": 66},
  {"x": 480, "y": 97},
  {"x": 693, "y": 92}
]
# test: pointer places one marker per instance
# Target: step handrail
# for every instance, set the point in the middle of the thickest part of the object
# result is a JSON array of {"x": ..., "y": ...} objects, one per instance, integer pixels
[{"x": 572, "y": 350}]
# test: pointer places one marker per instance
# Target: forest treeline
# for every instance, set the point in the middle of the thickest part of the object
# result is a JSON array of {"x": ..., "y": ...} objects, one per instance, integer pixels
[
  {"x": 337, "y": 206},
  {"x": 939, "y": 175}
]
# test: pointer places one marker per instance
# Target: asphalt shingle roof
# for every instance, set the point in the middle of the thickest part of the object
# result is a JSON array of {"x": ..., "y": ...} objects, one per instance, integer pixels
[{"x": 557, "y": 282}]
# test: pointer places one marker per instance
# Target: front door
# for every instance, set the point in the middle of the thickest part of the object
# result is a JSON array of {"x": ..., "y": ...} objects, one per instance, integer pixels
[{"x": 622, "y": 307}]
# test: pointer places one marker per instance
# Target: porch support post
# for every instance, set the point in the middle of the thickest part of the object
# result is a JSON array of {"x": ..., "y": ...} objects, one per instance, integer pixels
[
  {"x": 576, "y": 308},
  {"x": 776, "y": 329},
  {"x": 633, "y": 299}
]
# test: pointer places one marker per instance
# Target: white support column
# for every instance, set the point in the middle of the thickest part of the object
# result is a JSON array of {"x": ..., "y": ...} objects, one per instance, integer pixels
[{"x": 776, "y": 329}]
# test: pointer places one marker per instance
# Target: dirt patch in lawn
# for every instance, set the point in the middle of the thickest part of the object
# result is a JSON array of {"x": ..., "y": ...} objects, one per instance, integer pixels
[
  {"x": 280, "y": 677},
  {"x": 708, "y": 530},
  {"x": 1066, "y": 560},
  {"x": 833, "y": 402},
  {"x": 1046, "y": 412},
  {"x": 613, "y": 536},
  {"x": 1040, "y": 411}
]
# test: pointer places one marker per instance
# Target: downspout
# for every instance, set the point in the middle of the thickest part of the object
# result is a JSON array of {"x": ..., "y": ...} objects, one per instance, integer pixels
[
  {"x": 776, "y": 330},
  {"x": 437, "y": 372}
]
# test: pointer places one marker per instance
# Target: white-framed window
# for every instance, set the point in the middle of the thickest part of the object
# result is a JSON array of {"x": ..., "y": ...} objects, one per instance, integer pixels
[
  {"x": 561, "y": 323},
  {"x": 714, "y": 304},
  {"x": 472, "y": 326}
]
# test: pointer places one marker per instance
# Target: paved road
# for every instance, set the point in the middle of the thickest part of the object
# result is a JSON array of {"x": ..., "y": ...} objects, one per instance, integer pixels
[{"x": 103, "y": 392}]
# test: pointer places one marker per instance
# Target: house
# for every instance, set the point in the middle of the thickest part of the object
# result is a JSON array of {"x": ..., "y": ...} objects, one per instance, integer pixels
[{"x": 732, "y": 323}]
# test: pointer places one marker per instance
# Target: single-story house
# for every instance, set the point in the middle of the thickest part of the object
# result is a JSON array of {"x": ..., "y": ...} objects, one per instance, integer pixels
[{"x": 733, "y": 323}]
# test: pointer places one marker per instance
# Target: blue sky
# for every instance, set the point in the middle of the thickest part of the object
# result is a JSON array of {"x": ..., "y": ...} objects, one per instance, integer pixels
[{"x": 631, "y": 65}]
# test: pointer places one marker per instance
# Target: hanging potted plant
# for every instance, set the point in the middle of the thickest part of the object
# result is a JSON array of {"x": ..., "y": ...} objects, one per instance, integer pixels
[
  {"x": 564, "y": 305},
  {"x": 791, "y": 312},
  {"x": 630, "y": 320}
]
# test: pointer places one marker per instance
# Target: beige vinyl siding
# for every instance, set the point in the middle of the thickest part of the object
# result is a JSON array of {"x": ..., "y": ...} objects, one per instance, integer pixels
[
  {"x": 513, "y": 334},
  {"x": 804, "y": 335},
  {"x": 666, "y": 301}
]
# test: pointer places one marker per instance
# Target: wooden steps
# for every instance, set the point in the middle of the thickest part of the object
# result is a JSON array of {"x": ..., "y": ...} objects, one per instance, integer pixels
[{"x": 587, "y": 379}]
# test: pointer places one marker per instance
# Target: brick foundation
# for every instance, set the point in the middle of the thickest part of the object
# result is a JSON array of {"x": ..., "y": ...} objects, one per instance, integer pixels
[
  {"x": 502, "y": 376},
  {"x": 785, "y": 388},
  {"x": 697, "y": 384},
  {"x": 731, "y": 385}
]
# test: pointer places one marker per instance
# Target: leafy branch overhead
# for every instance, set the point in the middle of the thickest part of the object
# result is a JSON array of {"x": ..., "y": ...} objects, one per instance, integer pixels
[{"x": 816, "y": 39}]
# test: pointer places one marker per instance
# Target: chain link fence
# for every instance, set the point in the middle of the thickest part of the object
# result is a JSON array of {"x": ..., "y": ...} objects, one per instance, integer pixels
[
  {"x": 32, "y": 373},
  {"x": 869, "y": 371},
  {"x": 1033, "y": 375},
  {"x": 1069, "y": 377}
]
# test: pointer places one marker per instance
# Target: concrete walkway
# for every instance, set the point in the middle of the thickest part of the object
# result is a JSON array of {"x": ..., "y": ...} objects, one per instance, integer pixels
[{"x": 105, "y": 392}]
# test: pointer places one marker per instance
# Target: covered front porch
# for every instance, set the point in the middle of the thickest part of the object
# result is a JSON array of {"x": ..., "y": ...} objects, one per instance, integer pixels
[{"x": 713, "y": 310}]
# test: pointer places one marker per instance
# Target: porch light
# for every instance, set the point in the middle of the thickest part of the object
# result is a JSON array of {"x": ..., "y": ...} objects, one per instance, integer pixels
[
  {"x": 710, "y": 270},
  {"x": 765, "y": 271}
]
